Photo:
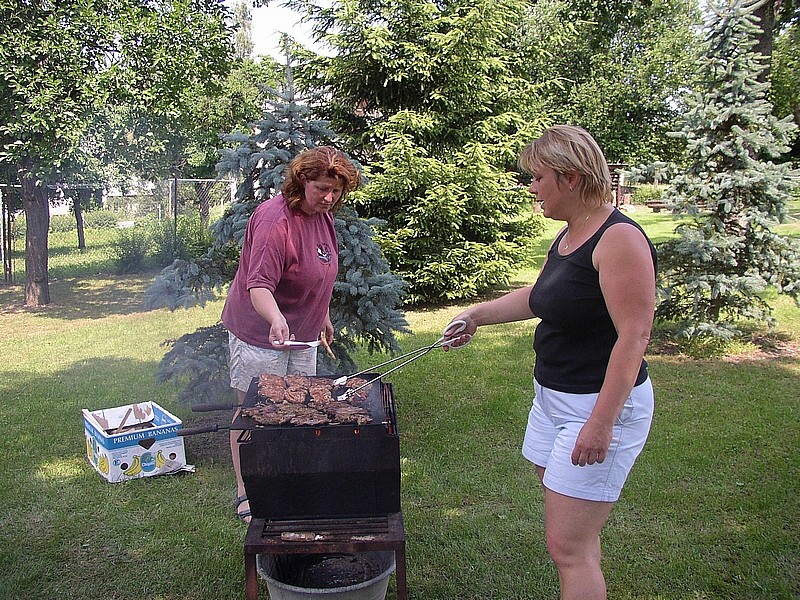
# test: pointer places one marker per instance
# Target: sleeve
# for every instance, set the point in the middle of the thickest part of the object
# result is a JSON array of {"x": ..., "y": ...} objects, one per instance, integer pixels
[{"x": 267, "y": 246}]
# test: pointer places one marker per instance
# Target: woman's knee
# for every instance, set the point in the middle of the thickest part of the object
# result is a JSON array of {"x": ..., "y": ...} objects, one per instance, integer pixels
[{"x": 567, "y": 550}]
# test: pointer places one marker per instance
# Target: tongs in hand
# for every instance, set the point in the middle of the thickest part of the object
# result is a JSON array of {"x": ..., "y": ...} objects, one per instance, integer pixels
[{"x": 408, "y": 356}]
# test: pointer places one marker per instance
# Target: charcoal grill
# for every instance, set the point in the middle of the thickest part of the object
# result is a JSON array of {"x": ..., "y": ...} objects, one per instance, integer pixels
[
  {"x": 328, "y": 471},
  {"x": 324, "y": 488}
]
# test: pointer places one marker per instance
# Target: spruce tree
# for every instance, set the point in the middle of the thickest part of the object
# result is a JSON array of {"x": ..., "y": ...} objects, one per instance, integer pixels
[
  {"x": 430, "y": 96},
  {"x": 366, "y": 302},
  {"x": 734, "y": 188}
]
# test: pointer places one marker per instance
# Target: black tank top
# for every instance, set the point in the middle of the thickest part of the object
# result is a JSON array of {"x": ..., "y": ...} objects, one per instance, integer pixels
[{"x": 573, "y": 342}]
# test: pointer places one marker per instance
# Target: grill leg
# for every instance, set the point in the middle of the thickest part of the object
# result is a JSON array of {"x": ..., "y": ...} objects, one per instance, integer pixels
[
  {"x": 251, "y": 576},
  {"x": 400, "y": 572}
]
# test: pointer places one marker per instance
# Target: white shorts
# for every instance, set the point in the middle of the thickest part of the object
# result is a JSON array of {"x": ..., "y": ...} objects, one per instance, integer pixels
[
  {"x": 246, "y": 361},
  {"x": 554, "y": 422}
]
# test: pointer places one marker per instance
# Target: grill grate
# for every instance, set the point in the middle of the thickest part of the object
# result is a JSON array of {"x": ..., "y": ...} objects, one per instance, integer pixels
[{"x": 330, "y": 530}]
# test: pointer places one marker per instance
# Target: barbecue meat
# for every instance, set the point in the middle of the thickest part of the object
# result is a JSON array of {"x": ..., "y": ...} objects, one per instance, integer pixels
[
  {"x": 341, "y": 412},
  {"x": 361, "y": 395},
  {"x": 311, "y": 401},
  {"x": 321, "y": 393},
  {"x": 272, "y": 387},
  {"x": 266, "y": 414},
  {"x": 298, "y": 381},
  {"x": 270, "y": 379},
  {"x": 305, "y": 415},
  {"x": 295, "y": 395}
]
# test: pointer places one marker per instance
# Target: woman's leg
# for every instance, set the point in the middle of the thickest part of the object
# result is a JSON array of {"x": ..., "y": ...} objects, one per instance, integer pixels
[
  {"x": 245, "y": 363},
  {"x": 243, "y": 507},
  {"x": 572, "y": 529}
]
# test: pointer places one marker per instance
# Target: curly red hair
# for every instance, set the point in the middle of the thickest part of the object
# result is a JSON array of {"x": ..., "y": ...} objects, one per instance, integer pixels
[{"x": 314, "y": 164}]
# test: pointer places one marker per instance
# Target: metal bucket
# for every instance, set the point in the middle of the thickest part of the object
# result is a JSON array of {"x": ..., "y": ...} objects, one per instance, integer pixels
[{"x": 273, "y": 569}]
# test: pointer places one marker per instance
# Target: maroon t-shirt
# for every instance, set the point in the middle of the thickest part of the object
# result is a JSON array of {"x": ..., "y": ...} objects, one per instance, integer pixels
[{"x": 293, "y": 255}]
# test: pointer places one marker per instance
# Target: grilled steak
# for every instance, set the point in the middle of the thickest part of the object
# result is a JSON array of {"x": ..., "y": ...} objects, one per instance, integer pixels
[{"x": 313, "y": 401}]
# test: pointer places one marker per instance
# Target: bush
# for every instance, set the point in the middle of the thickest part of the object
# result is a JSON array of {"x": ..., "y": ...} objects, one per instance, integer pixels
[
  {"x": 100, "y": 219},
  {"x": 647, "y": 193},
  {"x": 62, "y": 223},
  {"x": 95, "y": 219},
  {"x": 151, "y": 242},
  {"x": 132, "y": 249},
  {"x": 19, "y": 226},
  {"x": 191, "y": 242}
]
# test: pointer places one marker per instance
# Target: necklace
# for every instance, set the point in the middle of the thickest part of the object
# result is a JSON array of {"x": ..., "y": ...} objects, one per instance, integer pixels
[{"x": 567, "y": 234}]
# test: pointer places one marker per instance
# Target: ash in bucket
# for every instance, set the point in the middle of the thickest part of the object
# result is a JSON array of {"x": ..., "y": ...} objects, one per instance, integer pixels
[{"x": 324, "y": 571}]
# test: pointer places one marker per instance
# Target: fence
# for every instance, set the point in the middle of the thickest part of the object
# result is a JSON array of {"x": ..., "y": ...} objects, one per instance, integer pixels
[{"x": 118, "y": 230}]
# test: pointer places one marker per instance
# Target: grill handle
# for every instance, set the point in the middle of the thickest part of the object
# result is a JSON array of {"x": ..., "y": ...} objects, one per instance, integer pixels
[
  {"x": 213, "y": 407},
  {"x": 203, "y": 429}
]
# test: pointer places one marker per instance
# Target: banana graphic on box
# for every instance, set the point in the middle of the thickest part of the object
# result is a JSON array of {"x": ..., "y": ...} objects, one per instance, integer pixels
[
  {"x": 103, "y": 464},
  {"x": 161, "y": 460},
  {"x": 135, "y": 468},
  {"x": 89, "y": 450}
]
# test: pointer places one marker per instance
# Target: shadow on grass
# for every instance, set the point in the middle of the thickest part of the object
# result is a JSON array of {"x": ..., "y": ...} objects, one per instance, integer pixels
[
  {"x": 65, "y": 531},
  {"x": 74, "y": 298},
  {"x": 52, "y": 407}
]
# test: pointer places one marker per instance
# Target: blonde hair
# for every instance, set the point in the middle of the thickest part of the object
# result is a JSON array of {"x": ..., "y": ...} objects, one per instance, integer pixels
[
  {"x": 314, "y": 164},
  {"x": 571, "y": 150}
]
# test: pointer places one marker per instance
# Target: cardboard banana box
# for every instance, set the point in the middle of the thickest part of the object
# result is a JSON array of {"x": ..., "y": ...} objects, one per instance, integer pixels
[{"x": 132, "y": 441}]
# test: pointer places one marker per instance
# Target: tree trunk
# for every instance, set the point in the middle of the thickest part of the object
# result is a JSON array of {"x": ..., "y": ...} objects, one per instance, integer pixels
[
  {"x": 766, "y": 14},
  {"x": 36, "y": 203},
  {"x": 77, "y": 202},
  {"x": 203, "y": 191}
]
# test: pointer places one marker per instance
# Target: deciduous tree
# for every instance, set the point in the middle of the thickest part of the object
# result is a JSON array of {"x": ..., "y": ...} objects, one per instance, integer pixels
[
  {"x": 61, "y": 62},
  {"x": 620, "y": 69}
]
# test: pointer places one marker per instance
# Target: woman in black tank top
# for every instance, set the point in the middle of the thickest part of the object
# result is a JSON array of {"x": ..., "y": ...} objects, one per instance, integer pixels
[{"x": 595, "y": 297}]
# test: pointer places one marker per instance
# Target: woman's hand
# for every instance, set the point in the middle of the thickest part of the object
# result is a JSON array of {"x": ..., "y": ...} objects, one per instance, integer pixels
[
  {"x": 459, "y": 332},
  {"x": 279, "y": 333},
  {"x": 327, "y": 331},
  {"x": 592, "y": 443}
]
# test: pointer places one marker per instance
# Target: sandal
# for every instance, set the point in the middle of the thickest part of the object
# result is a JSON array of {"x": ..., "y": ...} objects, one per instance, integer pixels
[{"x": 243, "y": 515}]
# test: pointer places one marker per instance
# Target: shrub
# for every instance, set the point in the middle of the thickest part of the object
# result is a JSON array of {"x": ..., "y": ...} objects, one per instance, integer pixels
[
  {"x": 647, "y": 193},
  {"x": 193, "y": 236},
  {"x": 191, "y": 241},
  {"x": 132, "y": 249},
  {"x": 19, "y": 226},
  {"x": 94, "y": 219},
  {"x": 100, "y": 219},
  {"x": 62, "y": 223}
]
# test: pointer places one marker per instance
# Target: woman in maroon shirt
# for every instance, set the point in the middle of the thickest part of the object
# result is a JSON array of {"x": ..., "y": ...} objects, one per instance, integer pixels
[{"x": 282, "y": 288}]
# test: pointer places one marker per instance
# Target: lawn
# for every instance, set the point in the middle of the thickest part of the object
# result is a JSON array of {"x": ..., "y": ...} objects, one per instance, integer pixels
[{"x": 711, "y": 512}]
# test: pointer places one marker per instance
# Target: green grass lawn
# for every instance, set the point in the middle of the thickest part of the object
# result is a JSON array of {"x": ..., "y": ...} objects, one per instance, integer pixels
[{"x": 711, "y": 511}]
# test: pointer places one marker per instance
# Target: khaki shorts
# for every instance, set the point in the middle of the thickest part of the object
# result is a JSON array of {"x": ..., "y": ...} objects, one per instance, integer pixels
[
  {"x": 246, "y": 361},
  {"x": 554, "y": 422}
]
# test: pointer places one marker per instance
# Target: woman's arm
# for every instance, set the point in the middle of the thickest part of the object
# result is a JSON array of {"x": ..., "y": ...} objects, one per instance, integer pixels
[
  {"x": 510, "y": 307},
  {"x": 265, "y": 305},
  {"x": 627, "y": 280}
]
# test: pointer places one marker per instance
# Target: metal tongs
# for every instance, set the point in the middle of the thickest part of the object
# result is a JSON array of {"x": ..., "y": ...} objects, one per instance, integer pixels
[{"x": 408, "y": 356}]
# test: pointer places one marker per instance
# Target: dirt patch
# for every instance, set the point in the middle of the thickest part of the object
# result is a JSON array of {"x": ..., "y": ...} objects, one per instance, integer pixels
[
  {"x": 766, "y": 348},
  {"x": 209, "y": 447},
  {"x": 758, "y": 347}
]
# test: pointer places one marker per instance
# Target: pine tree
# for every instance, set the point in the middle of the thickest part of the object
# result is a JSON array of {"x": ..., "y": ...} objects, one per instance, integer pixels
[
  {"x": 734, "y": 188},
  {"x": 429, "y": 95},
  {"x": 366, "y": 296}
]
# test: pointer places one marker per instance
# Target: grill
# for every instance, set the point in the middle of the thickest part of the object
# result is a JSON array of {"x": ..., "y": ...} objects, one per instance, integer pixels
[
  {"x": 329, "y": 471},
  {"x": 322, "y": 489}
]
